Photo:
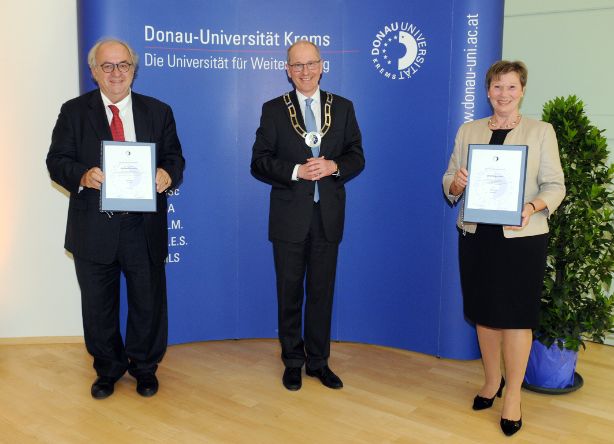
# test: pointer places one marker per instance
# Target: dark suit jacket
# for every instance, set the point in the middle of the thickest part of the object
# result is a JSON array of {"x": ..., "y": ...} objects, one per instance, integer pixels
[
  {"x": 75, "y": 148},
  {"x": 278, "y": 148}
]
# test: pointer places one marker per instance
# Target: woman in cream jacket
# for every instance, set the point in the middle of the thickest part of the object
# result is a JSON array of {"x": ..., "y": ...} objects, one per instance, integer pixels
[{"x": 502, "y": 268}]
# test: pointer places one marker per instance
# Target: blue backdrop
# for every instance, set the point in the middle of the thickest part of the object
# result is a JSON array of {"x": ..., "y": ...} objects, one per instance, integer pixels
[{"x": 414, "y": 70}]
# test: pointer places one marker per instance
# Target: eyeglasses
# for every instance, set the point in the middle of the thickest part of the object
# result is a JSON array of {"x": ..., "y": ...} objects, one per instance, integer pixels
[
  {"x": 311, "y": 66},
  {"x": 110, "y": 67}
]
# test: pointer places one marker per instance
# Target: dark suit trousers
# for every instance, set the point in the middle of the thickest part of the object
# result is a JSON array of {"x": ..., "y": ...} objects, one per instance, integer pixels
[
  {"x": 312, "y": 262},
  {"x": 147, "y": 328}
]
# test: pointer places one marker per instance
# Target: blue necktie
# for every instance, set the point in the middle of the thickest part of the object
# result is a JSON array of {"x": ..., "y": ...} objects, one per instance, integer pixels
[{"x": 310, "y": 124}]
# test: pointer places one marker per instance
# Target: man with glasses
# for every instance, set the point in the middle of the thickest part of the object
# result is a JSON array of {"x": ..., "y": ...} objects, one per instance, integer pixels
[
  {"x": 307, "y": 147},
  {"x": 106, "y": 244}
]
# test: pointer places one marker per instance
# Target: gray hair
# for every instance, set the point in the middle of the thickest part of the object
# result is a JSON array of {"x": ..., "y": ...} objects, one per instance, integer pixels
[{"x": 91, "y": 55}]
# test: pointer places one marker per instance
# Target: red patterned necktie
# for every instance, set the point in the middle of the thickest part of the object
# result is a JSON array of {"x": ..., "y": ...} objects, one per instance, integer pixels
[{"x": 117, "y": 127}]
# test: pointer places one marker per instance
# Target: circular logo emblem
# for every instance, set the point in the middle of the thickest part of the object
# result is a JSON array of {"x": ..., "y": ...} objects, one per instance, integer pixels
[
  {"x": 398, "y": 50},
  {"x": 312, "y": 139}
]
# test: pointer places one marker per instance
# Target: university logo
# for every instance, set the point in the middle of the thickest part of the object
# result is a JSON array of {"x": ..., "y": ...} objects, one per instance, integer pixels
[{"x": 398, "y": 50}]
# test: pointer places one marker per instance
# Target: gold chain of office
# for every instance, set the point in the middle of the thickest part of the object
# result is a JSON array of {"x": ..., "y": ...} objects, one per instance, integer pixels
[{"x": 297, "y": 127}]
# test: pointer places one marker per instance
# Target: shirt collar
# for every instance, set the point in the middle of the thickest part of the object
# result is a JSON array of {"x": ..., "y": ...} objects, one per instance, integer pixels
[
  {"x": 301, "y": 97},
  {"x": 122, "y": 105}
]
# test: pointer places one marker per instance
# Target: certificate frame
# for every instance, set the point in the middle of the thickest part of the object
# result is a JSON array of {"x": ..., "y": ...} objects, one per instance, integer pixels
[
  {"x": 129, "y": 199},
  {"x": 498, "y": 171}
]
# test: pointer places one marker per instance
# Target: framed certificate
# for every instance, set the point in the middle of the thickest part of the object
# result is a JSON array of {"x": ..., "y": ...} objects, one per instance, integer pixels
[
  {"x": 495, "y": 189},
  {"x": 129, "y": 176}
]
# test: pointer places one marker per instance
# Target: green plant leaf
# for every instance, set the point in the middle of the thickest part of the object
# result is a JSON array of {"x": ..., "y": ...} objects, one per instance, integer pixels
[{"x": 580, "y": 262}]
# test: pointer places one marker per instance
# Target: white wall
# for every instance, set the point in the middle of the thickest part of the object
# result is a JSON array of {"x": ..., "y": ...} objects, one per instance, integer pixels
[
  {"x": 565, "y": 43},
  {"x": 38, "y": 289},
  {"x": 567, "y": 46}
]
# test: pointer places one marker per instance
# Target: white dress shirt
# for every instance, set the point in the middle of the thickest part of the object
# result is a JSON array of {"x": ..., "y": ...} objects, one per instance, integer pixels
[{"x": 125, "y": 113}]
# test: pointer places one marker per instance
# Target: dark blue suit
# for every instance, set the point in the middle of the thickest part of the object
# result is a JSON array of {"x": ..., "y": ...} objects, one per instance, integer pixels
[
  {"x": 305, "y": 235},
  {"x": 104, "y": 246}
]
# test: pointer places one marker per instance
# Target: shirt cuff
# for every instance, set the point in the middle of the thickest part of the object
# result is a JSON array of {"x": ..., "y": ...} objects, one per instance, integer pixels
[{"x": 295, "y": 172}]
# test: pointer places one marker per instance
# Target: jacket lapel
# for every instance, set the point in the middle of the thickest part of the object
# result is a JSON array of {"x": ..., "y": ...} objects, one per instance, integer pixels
[
  {"x": 323, "y": 144},
  {"x": 297, "y": 107},
  {"x": 299, "y": 117},
  {"x": 516, "y": 135},
  {"x": 486, "y": 133},
  {"x": 142, "y": 124},
  {"x": 98, "y": 117}
]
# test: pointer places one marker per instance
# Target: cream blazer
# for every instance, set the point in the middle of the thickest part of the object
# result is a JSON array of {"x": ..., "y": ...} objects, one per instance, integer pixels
[{"x": 544, "y": 178}]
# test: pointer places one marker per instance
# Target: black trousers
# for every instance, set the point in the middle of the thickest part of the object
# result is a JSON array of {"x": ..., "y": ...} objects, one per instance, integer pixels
[
  {"x": 311, "y": 264},
  {"x": 147, "y": 328}
]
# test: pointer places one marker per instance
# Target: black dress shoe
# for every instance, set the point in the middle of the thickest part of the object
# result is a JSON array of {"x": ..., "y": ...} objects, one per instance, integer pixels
[
  {"x": 509, "y": 426},
  {"x": 103, "y": 387},
  {"x": 326, "y": 376},
  {"x": 292, "y": 378},
  {"x": 147, "y": 384},
  {"x": 481, "y": 403}
]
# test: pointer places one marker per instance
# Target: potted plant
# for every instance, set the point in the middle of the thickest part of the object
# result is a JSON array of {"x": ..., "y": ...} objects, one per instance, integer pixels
[{"x": 576, "y": 299}]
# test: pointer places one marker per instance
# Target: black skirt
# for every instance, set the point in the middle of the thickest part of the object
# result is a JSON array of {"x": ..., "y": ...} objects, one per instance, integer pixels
[{"x": 502, "y": 278}]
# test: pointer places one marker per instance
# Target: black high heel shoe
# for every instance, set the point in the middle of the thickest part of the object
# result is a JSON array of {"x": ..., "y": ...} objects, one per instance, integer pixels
[
  {"x": 481, "y": 403},
  {"x": 509, "y": 426}
]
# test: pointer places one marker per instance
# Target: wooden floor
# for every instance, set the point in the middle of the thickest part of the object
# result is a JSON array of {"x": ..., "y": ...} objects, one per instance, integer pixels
[{"x": 231, "y": 392}]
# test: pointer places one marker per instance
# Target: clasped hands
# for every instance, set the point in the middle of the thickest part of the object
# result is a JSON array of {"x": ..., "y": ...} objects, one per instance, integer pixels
[
  {"x": 94, "y": 177},
  {"x": 317, "y": 168}
]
